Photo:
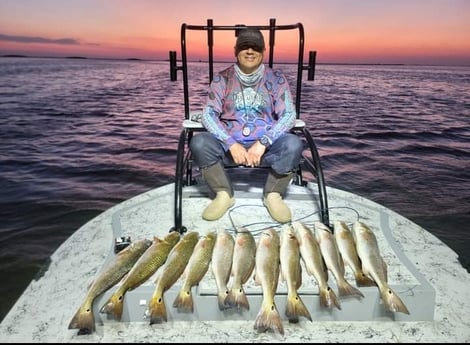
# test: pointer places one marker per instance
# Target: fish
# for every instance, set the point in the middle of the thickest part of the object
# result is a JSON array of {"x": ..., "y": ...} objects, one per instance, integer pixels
[
  {"x": 169, "y": 273},
  {"x": 333, "y": 261},
  {"x": 243, "y": 264},
  {"x": 120, "y": 264},
  {"x": 267, "y": 268},
  {"x": 142, "y": 270},
  {"x": 221, "y": 265},
  {"x": 375, "y": 266},
  {"x": 197, "y": 267},
  {"x": 347, "y": 248},
  {"x": 312, "y": 258},
  {"x": 291, "y": 272}
]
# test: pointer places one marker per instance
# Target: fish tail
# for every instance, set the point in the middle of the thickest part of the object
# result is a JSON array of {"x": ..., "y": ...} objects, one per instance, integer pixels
[
  {"x": 222, "y": 299},
  {"x": 184, "y": 301},
  {"x": 295, "y": 308},
  {"x": 346, "y": 289},
  {"x": 114, "y": 306},
  {"x": 84, "y": 320},
  {"x": 363, "y": 280},
  {"x": 157, "y": 309},
  {"x": 236, "y": 298},
  {"x": 328, "y": 298},
  {"x": 392, "y": 301},
  {"x": 268, "y": 319}
]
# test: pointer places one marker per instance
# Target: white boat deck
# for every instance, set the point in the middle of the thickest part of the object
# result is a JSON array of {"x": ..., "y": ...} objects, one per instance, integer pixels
[{"x": 421, "y": 269}]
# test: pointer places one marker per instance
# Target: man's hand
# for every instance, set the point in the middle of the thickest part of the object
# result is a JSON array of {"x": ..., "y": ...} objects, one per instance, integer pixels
[
  {"x": 254, "y": 154},
  {"x": 239, "y": 153}
]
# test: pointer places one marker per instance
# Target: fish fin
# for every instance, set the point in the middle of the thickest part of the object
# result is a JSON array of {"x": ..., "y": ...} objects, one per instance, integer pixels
[
  {"x": 268, "y": 319},
  {"x": 222, "y": 299},
  {"x": 328, "y": 298},
  {"x": 295, "y": 308},
  {"x": 237, "y": 298},
  {"x": 114, "y": 306},
  {"x": 346, "y": 289},
  {"x": 184, "y": 301},
  {"x": 157, "y": 309},
  {"x": 392, "y": 301},
  {"x": 83, "y": 320},
  {"x": 363, "y": 280}
]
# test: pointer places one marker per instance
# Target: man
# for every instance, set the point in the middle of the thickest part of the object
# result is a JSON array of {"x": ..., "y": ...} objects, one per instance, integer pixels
[{"x": 248, "y": 115}]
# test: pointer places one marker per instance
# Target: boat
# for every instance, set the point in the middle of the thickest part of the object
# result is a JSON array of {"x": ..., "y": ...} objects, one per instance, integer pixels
[{"x": 421, "y": 269}]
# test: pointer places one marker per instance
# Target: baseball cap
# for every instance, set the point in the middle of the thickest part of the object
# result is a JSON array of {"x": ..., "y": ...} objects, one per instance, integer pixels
[{"x": 250, "y": 38}]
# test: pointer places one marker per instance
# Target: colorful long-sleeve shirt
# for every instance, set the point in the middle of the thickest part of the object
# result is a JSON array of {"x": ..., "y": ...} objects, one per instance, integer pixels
[{"x": 237, "y": 113}]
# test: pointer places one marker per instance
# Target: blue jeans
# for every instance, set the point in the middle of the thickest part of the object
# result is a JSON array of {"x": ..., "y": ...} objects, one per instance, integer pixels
[{"x": 283, "y": 156}]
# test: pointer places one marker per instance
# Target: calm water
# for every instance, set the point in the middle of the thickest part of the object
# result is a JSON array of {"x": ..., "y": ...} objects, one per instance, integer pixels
[{"x": 79, "y": 136}]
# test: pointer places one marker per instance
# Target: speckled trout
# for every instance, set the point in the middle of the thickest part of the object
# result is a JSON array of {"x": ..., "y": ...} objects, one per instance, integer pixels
[
  {"x": 347, "y": 248},
  {"x": 242, "y": 267},
  {"x": 169, "y": 273},
  {"x": 374, "y": 266},
  {"x": 221, "y": 265},
  {"x": 291, "y": 273},
  {"x": 313, "y": 261},
  {"x": 267, "y": 266},
  {"x": 142, "y": 270},
  {"x": 120, "y": 264},
  {"x": 197, "y": 267}
]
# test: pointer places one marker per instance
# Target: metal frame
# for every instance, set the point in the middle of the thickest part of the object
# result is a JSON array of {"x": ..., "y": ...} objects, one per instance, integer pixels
[{"x": 184, "y": 166}]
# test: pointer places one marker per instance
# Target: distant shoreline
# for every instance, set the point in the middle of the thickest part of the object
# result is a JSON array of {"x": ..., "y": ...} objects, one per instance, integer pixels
[
  {"x": 203, "y": 61},
  {"x": 69, "y": 57}
]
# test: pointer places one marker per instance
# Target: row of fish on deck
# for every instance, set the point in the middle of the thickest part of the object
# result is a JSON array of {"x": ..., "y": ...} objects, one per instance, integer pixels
[{"x": 275, "y": 255}]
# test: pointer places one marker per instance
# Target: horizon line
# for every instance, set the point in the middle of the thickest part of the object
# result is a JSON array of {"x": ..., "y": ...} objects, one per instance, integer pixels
[{"x": 223, "y": 61}]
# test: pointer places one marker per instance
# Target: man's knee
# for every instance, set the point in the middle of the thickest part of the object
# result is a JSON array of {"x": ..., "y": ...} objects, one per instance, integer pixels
[
  {"x": 294, "y": 145},
  {"x": 197, "y": 143}
]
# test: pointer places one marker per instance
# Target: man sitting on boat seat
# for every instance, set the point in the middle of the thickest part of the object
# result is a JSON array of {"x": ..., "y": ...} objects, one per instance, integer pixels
[{"x": 248, "y": 116}]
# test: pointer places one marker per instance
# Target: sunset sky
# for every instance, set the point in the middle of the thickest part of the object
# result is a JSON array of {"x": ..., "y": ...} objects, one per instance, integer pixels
[{"x": 341, "y": 31}]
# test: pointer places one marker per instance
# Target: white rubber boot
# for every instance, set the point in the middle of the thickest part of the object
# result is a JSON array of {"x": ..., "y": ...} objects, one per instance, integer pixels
[
  {"x": 218, "y": 206},
  {"x": 219, "y": 182},
  {"x": 277, "y": 208},
  {"x": 275, "y": 187}
]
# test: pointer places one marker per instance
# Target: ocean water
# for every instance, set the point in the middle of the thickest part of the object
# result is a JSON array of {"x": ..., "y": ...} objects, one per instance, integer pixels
[{"x": 78, "y": 136}]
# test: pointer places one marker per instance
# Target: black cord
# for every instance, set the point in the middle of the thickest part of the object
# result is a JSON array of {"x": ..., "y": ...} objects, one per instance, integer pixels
[{"x": 268, "y": 224}]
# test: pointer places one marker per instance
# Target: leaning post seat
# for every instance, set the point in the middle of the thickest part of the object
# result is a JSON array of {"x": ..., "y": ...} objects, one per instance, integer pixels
[{"x": 191, "y": 123}]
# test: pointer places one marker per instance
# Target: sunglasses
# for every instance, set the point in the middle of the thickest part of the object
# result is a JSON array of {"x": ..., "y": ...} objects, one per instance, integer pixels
[{"x": 246, "y": 46}]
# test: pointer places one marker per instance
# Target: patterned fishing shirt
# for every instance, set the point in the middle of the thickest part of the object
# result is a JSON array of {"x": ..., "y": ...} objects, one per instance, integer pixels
[{"x": 238, "y": 113}]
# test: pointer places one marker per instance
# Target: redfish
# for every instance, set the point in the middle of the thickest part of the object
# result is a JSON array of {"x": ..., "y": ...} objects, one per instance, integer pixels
[
  {"x": 267, "y": 267},
  {"x": 347, "y": 248},
  {"x": 311, "y": 256},
  {"x": 291, "y": 272},
  {"x": 142, "y": 270},
  {"x": 122, "y": 262},
  {"x": 243, "y": 264},
  {"x": 197, "y": 267},
  {"x": 221, "y": 264},
  {"x": 333, "y": 261},
  {"x": 169, "y": 273},
  {"x": 375, "y": 267}
]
